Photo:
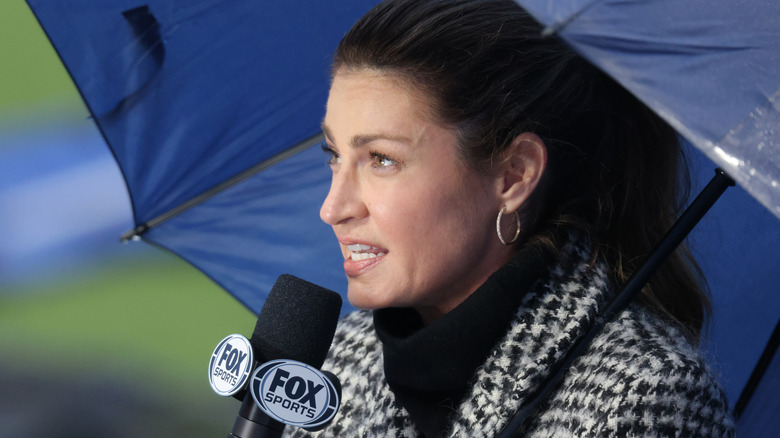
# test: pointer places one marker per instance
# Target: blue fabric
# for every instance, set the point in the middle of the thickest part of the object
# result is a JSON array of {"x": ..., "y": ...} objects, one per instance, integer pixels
[
  {"x": 736, "y": 246},
  {"x": 760, "y": 418},
  {"x": 189, "y": 94},
  {"x": 710, "y": 68},
  {"x": 200, "y": 87},
  {"x": 249, "y": 234}
]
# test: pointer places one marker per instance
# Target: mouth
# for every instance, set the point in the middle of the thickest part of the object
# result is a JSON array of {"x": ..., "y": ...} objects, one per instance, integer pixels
[{"x": 359, "y": 252}]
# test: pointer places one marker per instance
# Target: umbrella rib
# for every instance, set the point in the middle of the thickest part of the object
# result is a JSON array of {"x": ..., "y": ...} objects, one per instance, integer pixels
[
  {"x": 557, "y": 26},
  {"x": 140, "y": 229},
  {"x": 758, "y": 373}
]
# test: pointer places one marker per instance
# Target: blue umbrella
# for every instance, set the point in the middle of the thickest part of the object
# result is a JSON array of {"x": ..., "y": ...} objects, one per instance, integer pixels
[
  {"x": 193, "y": 97},
  {"x": 212, "y": 110},
  {"x": 711, "y": 69}
]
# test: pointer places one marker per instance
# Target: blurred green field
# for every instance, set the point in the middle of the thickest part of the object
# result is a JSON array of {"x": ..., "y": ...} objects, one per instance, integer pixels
[
  {"x": 29, "y": 66},
  {"x": 159, "y": 318},
  {"x": 127, "y": 310},
  {"x": 141, "y": 331},
  {"x": 147, "y": 325}
]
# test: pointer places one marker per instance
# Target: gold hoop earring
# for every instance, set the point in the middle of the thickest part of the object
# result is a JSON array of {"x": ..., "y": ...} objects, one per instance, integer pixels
[{"x": 498, "y": 227}]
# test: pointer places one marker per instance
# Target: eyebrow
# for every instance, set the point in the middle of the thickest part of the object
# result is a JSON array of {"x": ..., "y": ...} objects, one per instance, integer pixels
[{"x": 361, "y": 140}]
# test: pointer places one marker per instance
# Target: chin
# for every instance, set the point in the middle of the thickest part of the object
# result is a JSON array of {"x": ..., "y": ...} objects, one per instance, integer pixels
[
  {"x": 361, "y": 298},
  {"x": 359, "y": 301}
]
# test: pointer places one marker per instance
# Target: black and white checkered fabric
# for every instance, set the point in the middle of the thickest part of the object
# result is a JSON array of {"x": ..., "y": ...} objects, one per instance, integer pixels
[{"x": 639, "y": 377}]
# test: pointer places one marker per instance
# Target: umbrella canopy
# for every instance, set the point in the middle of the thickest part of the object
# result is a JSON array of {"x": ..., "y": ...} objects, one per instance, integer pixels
[
  {"x": 711, "y": 69},
  {"x": 212, "y": 110},
  {"x": 196, "y": 95}
]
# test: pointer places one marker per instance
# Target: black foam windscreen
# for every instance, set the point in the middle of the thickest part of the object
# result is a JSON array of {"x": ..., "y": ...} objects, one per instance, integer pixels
[{"x": 297, "y": 322}]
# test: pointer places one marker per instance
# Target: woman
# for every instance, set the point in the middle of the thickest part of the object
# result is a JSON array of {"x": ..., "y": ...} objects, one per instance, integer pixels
[{"x": 489, "y": 190}]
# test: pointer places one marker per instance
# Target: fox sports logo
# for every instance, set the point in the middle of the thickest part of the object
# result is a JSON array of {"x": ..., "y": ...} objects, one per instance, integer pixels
[
  {"x": 230, "y": 365},
  {"x": 294, "y": 393}
]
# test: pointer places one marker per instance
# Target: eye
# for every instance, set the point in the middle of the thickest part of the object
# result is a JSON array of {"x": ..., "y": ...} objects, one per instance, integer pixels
[
  {"x": 382, "y": 161},
  {"x": 333, "y": 156}
]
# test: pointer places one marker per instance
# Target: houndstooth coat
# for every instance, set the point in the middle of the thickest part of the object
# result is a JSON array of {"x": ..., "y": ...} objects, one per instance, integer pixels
[{"x": 639, "y": 377}]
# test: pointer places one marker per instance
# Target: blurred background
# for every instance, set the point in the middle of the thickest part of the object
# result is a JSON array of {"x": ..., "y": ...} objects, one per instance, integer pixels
[{"x": 97, "y": 338}]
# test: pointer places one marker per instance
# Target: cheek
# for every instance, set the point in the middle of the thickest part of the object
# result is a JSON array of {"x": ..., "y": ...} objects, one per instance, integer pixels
[
  {"x": 416, "y": 198},
  {"x": 467, "y": 217},
  {"x": 399, "y": 213},
  {"x": 427, "y": 219},
  {"x": 408, "y": 219},
  {"x": 424, "y": 208}
]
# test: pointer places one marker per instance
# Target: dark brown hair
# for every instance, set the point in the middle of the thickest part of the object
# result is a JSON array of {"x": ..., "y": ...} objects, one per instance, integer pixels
[{"x": 615, "y": 169}]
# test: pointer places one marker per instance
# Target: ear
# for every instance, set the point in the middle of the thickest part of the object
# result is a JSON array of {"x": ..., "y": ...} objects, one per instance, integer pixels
[{"x": 524, "y": 162}]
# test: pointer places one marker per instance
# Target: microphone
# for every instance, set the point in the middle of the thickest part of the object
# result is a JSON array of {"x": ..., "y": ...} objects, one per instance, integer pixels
[
  {"x": 297, "y": 322},
  {"x": 292, "y": 336}
]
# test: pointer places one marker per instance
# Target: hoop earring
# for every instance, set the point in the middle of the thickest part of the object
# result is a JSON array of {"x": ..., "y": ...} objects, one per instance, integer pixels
[{"x": 498, "y": 227}]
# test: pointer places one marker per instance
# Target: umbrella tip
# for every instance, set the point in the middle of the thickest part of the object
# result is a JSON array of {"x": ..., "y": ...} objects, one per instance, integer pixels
[
  {"x": 549, "y": 31},
  {"x": 134, "y": 234},
  {"x": 722, "y": 173}
]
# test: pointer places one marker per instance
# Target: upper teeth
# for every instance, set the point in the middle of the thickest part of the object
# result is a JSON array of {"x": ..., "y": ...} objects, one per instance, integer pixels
[{"x": 356, "y": 253}]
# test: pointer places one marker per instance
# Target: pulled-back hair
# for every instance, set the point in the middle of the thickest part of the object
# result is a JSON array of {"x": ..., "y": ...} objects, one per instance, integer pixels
[{"x": 615, "y": 169}]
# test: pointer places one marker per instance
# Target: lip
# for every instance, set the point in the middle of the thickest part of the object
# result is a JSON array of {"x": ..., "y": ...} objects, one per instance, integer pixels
[{"x": 354, "y": 268}]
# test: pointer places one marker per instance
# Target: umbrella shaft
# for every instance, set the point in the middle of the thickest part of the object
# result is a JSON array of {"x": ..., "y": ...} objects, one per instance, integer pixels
[{"x": 679, "y": 231}]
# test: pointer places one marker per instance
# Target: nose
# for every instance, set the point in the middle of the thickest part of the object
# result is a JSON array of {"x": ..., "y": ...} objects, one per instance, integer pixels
[{"x": 344, "y": 200}]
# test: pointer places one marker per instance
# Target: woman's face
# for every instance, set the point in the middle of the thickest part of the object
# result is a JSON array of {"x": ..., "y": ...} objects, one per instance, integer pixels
[{"x": 416, "y": 225}]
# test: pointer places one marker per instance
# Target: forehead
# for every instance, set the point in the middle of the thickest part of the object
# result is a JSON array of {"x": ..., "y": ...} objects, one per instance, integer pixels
[
  {"x": 373, "y": 90},
  {"x": 377, "y": 76}
]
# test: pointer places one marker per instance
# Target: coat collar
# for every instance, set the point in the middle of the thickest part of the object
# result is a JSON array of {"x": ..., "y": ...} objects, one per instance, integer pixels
[{"x": 548, "y": 322}]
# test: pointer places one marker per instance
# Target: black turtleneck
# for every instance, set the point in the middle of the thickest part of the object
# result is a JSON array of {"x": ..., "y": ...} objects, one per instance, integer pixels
[{"x": 429, "y": 367}]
